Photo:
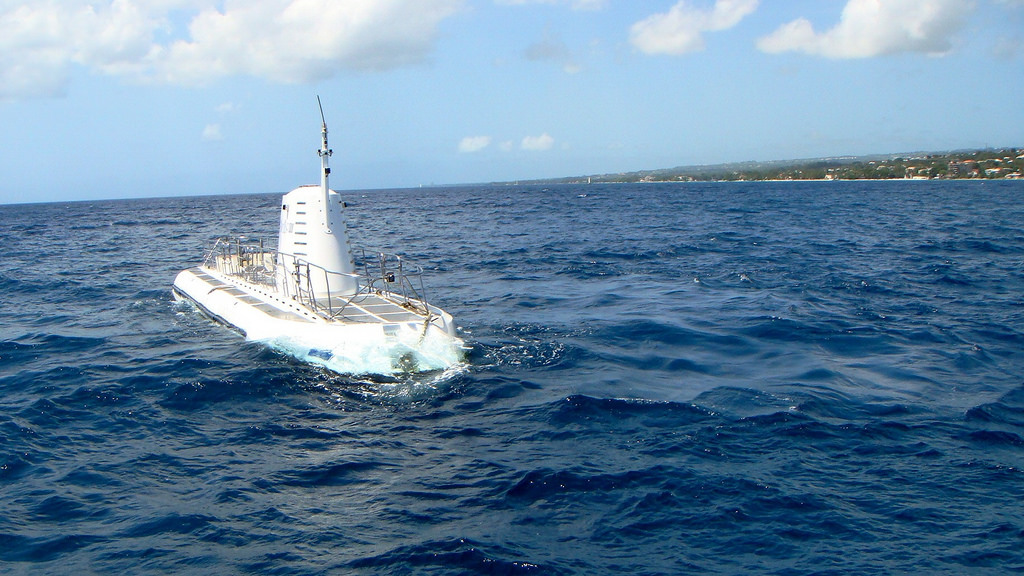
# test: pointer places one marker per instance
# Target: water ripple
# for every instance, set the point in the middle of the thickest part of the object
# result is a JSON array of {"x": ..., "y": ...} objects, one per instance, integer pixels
[{"x": 767, "y": 378}]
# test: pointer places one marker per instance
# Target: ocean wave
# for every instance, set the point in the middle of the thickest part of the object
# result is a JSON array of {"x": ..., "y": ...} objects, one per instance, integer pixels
[
  {"x": 837, "y": 392},
  {"x": 618, "y": 412},
  {"x": 446, "y": 556},
  {"x": 15, "y": 548}
]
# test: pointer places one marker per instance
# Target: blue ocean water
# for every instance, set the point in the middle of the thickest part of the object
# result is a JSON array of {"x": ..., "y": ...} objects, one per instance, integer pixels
[{"x": 746, "y": 378}]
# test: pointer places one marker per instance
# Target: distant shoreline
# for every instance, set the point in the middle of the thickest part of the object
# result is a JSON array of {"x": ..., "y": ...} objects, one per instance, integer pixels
[
  {"x": 980, "y": 164},
  {"x": 683, "y": 182}
]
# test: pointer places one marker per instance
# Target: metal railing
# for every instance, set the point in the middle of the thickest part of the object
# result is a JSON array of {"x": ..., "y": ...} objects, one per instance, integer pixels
[
  {"x": 294, "y": 278},
  {"x": 245, "y": 258},
  {"x": 389, "y": 276}
]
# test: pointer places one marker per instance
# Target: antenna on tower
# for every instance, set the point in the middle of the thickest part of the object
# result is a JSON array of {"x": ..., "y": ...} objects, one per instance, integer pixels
[
  {"x": 325, "y": 153},
  {"x": 323, "y": 123},
  {"x": 322, "y": 119}
]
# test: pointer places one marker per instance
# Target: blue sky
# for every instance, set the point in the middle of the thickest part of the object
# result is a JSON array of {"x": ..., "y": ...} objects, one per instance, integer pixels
[{"x": 143, "y": 98}]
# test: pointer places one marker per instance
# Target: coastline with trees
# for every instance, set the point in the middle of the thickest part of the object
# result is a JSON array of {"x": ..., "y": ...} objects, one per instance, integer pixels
[{"x": 1002, "y": 163}]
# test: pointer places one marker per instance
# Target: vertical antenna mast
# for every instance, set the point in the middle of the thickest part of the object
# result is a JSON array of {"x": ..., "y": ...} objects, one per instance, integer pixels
[{"x": 325, "y": 172}]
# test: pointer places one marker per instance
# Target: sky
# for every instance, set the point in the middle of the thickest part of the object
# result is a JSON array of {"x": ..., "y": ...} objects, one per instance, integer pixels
[{"x": 146, "y": 98}]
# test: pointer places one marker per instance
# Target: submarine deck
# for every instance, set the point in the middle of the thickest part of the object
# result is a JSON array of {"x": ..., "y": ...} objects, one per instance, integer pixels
[{"x": 364, "y": 308}]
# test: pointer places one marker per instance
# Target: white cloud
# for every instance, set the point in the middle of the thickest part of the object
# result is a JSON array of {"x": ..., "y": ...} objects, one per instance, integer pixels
[
  {"x": 279, "y": 40},
  {"x": 471, "y": 144},
  {"x": 304, "y": 40},
  {"x": 40, "y": 40},
  {"x": 575, "y": 4},
  {"x": 212, "y": 132},
  {"x": 553, "y": 49},
  {"x": 681, "y": 29},
  {"x": 538, "y": 143},
  {"x": 549, "y": 48},
  {"x": 869, "y": 28}
]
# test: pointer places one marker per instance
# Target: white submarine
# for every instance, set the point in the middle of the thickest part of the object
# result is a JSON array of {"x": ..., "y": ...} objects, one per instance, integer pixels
[{"x": 311, "y": 297}]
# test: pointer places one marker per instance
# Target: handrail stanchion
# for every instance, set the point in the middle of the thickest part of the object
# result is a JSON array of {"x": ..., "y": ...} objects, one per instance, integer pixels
[{"x": 254, "y": 262}]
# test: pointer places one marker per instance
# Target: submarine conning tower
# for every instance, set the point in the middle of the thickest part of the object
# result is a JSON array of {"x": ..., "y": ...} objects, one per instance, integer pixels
[{"x": 313, "y": 230}]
